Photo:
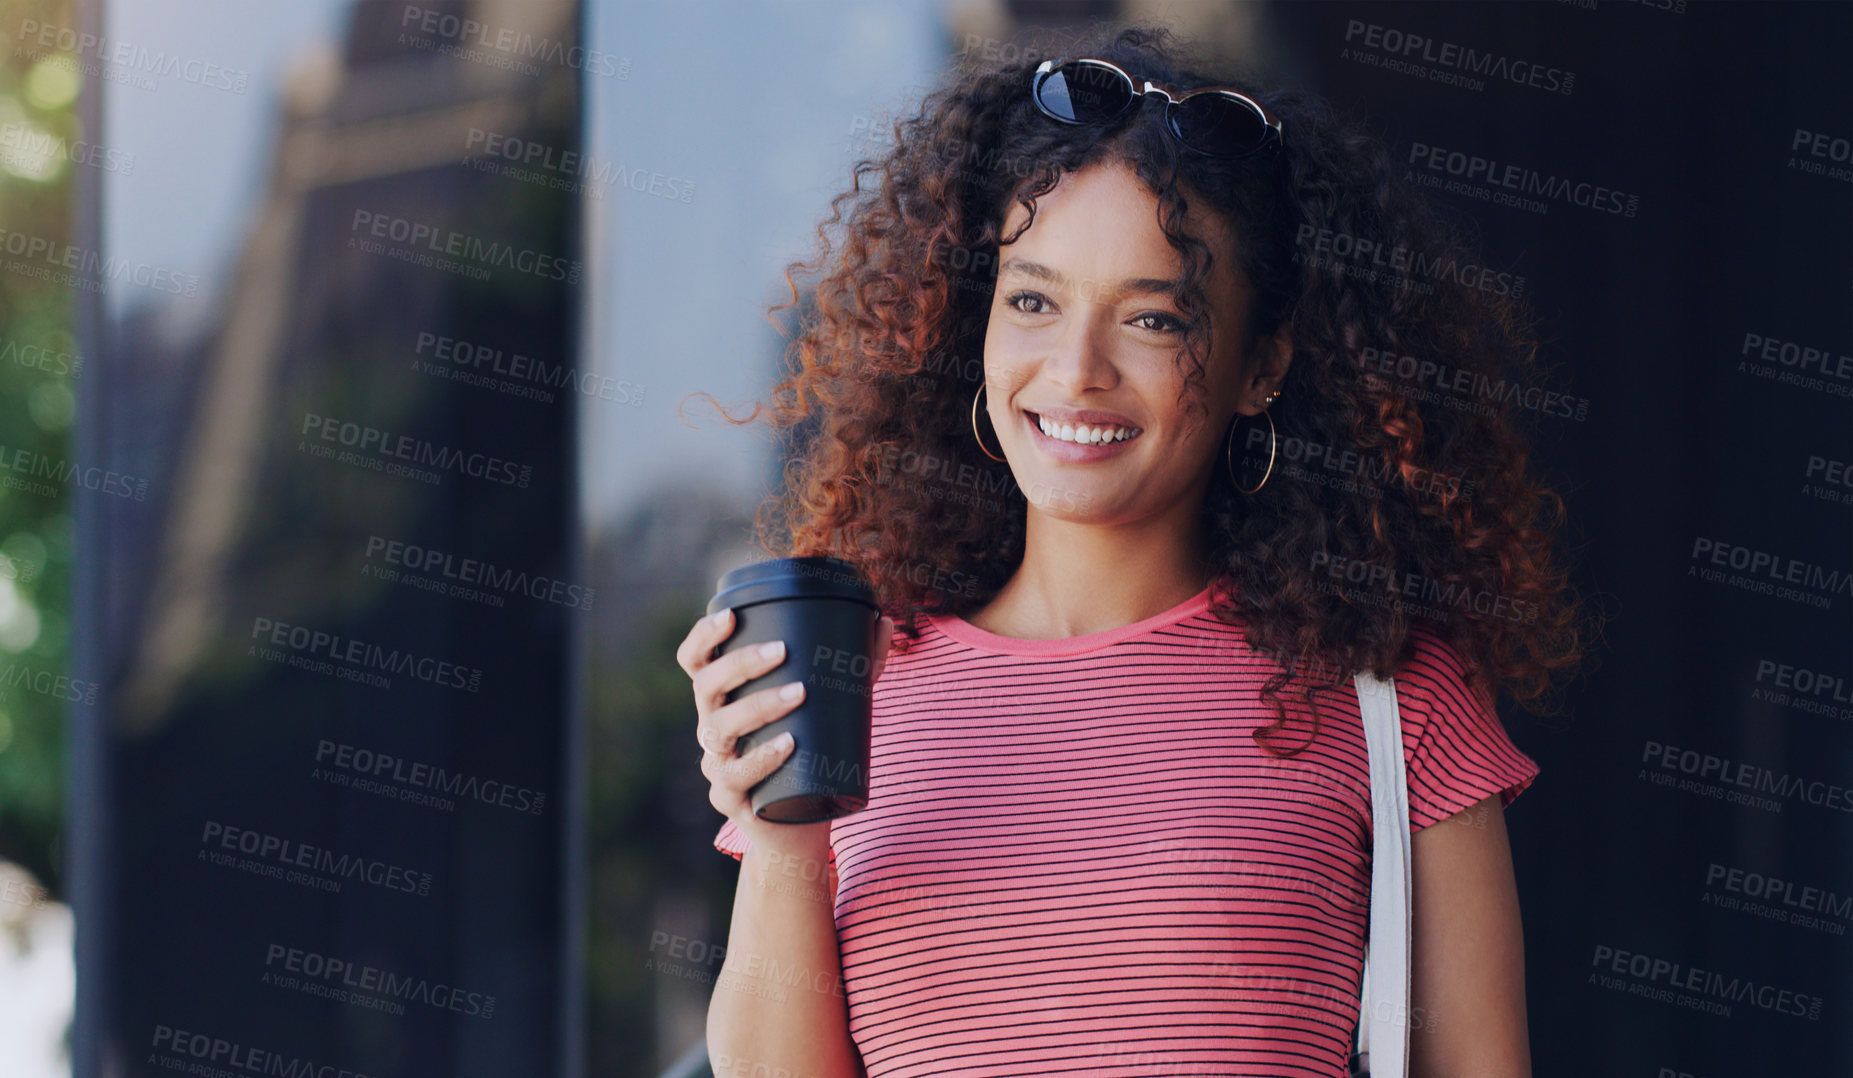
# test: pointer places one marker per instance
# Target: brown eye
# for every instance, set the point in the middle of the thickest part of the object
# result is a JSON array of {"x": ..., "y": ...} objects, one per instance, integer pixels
[
  {"x": 1011, "y": 301},
  {"x": 1166, "y": 323}
]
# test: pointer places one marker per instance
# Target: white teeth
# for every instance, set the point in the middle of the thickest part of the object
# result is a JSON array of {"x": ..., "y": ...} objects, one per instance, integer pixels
[{"x": 1086, "y": 435}]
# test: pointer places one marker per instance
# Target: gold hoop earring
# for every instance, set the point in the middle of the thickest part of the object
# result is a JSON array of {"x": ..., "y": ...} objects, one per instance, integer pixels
[
  {"x": 1273, "y": 445},
  {"x": 975, "y": 433}
]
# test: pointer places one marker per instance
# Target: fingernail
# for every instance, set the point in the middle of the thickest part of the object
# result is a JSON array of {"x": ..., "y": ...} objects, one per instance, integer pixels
[
  {"x": 792, "y": 691},
  {"x": 718, "y": 618},
  {"x": 772, "y": 650},
  {"x": 783, "y": 741}
]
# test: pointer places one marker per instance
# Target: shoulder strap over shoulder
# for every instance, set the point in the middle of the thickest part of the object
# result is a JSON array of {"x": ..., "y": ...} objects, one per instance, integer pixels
[{"x": 1383, "y": 1021}]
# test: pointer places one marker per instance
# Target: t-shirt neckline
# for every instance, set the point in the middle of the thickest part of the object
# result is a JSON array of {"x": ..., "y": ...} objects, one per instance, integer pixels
[{"x": 971, "y": 635}]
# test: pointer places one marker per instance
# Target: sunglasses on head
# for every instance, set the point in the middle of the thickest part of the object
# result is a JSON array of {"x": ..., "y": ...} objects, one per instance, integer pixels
[{"x": 1213, "y": 120}]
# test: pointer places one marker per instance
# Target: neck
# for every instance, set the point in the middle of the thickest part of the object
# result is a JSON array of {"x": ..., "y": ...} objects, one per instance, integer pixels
[{"x": 1085, "y": 578}]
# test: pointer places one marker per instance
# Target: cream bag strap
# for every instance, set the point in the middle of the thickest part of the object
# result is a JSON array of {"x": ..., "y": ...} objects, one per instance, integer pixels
[{"x": 1383, "y": 1019}]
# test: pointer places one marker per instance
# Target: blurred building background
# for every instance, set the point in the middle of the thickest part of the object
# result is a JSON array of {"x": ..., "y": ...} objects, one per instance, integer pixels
[{"x": 346, "y": 616}]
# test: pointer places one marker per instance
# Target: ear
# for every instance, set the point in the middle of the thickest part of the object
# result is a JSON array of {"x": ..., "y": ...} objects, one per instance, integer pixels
[{"x": 1268, "y": 369}]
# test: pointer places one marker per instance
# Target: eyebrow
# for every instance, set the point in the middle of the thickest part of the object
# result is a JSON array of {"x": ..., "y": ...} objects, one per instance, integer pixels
[{"x": 1137, "y": 286}]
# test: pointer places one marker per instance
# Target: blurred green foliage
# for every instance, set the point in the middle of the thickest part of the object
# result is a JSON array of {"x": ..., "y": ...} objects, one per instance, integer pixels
[
  {"x": 39, "y": 372},
  {"x": 649, "y": 840}
]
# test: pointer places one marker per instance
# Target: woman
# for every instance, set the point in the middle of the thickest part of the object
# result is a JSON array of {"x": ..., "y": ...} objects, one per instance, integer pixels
[{"x": 1120, "y": 807}]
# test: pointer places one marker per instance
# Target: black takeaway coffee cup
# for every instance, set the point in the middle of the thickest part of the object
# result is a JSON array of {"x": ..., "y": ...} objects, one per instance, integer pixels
[{"x": 827, "y": 615}]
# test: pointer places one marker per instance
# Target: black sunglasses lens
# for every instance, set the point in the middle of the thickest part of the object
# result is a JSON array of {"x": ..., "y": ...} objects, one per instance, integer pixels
[
  {"x": 1219, "y": 125},
  {"x": 1084, "y": 93}
]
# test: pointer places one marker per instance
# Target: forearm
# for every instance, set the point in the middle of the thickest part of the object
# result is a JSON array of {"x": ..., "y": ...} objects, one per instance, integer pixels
[{"x": 778, "y": 1002}]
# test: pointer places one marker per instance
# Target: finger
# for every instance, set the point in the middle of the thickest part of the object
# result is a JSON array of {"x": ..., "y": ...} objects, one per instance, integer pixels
[
  {"x": 749, "y": 713},
  {"x": 710, "y": 765},
  {"x": 739, "y": 774},
  {"x": 715, "y": 680},
  {"x": 692, "y": 653}
]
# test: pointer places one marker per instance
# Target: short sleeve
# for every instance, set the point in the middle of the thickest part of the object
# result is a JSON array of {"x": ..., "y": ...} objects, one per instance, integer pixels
[
  {"x": 1457, "y": 753},
  {"x": 731, "y": 842}
]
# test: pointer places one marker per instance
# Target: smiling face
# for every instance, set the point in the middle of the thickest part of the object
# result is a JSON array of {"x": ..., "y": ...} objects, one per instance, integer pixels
[{"x": 1083, "y": 342}]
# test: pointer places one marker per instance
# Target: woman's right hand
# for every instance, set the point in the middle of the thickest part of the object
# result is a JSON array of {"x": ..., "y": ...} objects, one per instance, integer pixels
[{"x": 719, "y": 724}]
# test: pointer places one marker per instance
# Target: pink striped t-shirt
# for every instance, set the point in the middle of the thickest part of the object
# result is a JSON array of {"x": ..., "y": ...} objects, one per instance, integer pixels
[{"x": 1076, "y": 860}]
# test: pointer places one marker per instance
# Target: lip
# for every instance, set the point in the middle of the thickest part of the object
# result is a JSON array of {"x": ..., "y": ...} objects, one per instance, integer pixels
[
  {"x": 1075, "y": 452},
  {"x": 1093, "y": 417}
]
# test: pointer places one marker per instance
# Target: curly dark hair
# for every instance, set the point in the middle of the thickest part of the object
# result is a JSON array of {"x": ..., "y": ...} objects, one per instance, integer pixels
[{"x": 1436, "y": 498}]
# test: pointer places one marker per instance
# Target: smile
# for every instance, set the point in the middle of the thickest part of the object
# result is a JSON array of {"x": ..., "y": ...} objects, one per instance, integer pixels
[
  {"x": 1080, "y": 443},
  {"x": 1082, "y": 434}
]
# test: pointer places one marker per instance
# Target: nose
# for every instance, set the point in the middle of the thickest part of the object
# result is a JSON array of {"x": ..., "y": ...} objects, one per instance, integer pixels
[{"x": 1081, "y": 361}]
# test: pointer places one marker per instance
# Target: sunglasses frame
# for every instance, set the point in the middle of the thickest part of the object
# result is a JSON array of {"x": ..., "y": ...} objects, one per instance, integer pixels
[{"x": 1140, "y": 88}]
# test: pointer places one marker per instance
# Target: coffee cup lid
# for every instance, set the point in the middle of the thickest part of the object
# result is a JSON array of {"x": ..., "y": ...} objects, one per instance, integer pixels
[{"x": 791, "y": 578}]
